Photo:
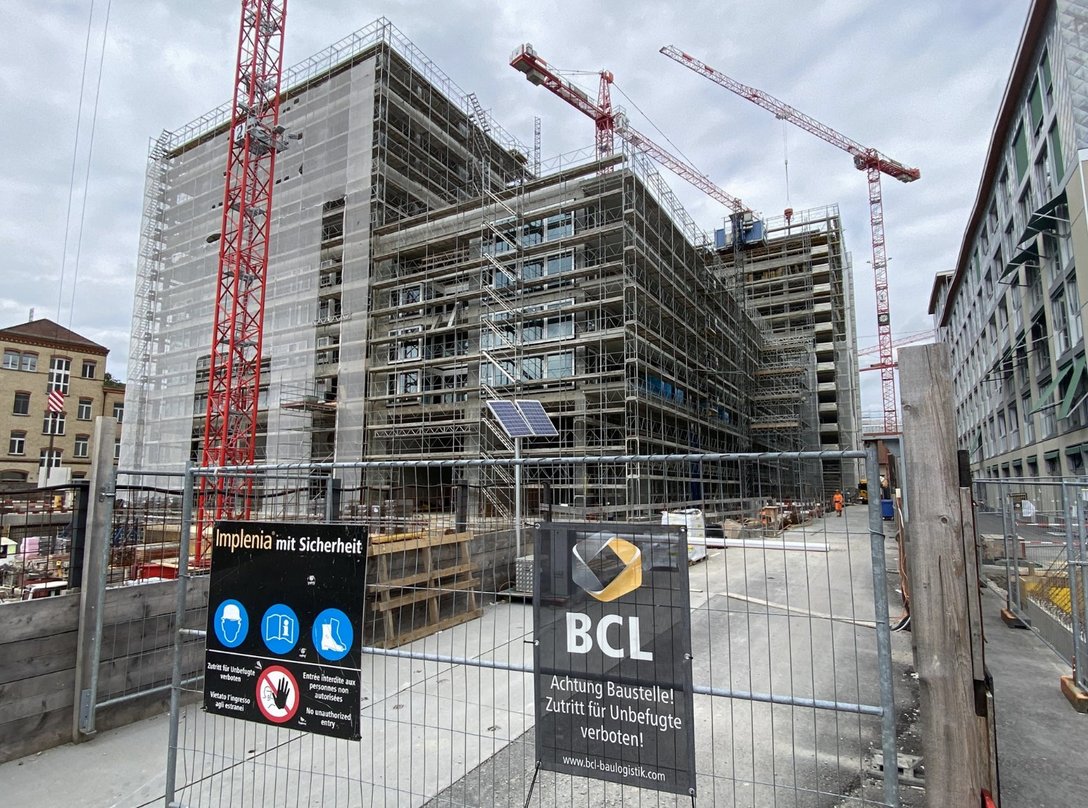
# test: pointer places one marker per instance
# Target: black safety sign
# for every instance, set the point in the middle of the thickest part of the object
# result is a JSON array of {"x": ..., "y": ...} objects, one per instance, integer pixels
[{"x": 285, "y": 609}]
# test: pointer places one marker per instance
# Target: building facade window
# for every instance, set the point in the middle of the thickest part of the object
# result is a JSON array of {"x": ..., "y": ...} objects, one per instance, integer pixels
[
  {"x": 88, "y": 371},
  {"x": 21, "y": 405},
  {"x": 1060, "y": 323},
  {"x": 119, "y": 411},
  {"x": 53, "y": 423},
  {"x": 83, "y": 409},
  {"x": 14, "y": 360},
  {"x": 116, "y": 449},
  {"x": 82, "y": 446},
  {"x": 60, "y": 374},
  {"x": 17, "y": 443},
  {"x": 1050, "y": 423},
  {"x": 1072, "y": 302},
  {"x": 47, "y": 459}
]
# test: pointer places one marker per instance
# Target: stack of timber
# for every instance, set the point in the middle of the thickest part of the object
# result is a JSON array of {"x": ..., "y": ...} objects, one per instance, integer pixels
[{"x": 419, "y": 583}]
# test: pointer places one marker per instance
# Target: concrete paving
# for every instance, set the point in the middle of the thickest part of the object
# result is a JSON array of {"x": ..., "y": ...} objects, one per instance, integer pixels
[
  {"x": 434, "y": 733},
  {"x": 1042, "y": 743}
]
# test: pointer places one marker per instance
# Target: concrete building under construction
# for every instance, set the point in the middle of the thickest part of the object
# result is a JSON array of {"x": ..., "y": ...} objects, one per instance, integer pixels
[
  {"x": 423, "y": 262},
  {"x": 796, "y": 276}
]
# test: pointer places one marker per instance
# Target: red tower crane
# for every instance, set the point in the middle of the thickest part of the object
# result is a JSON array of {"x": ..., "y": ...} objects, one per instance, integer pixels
[
  {"x": 609, "y": 123},
  {"x": 866, "y": 159},
  {"x": 230, "y": 424}
]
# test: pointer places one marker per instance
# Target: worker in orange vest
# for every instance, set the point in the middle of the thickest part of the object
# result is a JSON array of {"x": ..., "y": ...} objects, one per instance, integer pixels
[{"x": 838, "y": 501}]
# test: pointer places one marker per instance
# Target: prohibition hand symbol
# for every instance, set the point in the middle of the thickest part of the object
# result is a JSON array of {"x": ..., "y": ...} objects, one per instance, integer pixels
[{"x": 283, "y": 692}]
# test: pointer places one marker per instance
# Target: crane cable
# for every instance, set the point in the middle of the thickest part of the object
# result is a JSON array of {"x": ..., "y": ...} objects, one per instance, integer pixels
[
  {"x": 654, "y": 125},
  {"x": 75, "y": 160}
]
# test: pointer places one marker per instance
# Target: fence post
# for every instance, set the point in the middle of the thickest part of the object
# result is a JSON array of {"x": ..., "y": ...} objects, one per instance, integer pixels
[
  {"x": 79, "y": 536},
  {"x": 92, "y": 594},
  {"x": 1072, "y": 685},
  {"x": 955, "y": 742},
  {"x": 179, "y": 638},
  {"x": 332, "y": 497},
  {"x": 883, "y": 633}
]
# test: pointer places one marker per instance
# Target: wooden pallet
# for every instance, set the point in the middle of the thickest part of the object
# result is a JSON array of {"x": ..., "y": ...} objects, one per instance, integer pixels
[{"x": 420, "y": 584}]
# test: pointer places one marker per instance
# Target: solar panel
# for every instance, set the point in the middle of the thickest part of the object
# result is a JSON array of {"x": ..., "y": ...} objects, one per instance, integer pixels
[
  {"x": 537, "y": 419},
  {"x": 510, "y": 418}
]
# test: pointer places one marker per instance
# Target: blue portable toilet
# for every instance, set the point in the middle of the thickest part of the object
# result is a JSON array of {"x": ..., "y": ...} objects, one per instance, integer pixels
[{"x": 887, "y": 509}]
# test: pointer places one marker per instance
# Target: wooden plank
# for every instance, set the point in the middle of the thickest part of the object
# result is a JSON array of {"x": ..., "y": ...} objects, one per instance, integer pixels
[
  {"x": 957, "y": 758},
  {"x": 407, "y": 599},
  {"x": 38, "y": 694},
  {"x": 28, "y": 658},
  {"x": 386, "y": 584},
  {"x": 382, "y": 538},
  {"x": 142, "y": 636},
  {"x": 127, "y": 603},
  {"x": 423, "y": 577},
  {"x": 30, "y": 619},
  {"x": 458, "y": 569},
  {"x": 417, "y": 544},
  {"x": 122, "y": 676},
  {"x": 33, "y": 733}
]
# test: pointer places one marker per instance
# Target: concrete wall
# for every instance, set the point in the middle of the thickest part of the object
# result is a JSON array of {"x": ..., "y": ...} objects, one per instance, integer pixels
[{"x": 38, "y": 643}]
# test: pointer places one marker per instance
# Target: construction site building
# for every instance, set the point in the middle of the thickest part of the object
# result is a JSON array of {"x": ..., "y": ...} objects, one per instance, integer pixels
[
  {"x": 422, "y": 264},
  {"x": 794, "y": 275},
  {"x": 382, "y": 134}
]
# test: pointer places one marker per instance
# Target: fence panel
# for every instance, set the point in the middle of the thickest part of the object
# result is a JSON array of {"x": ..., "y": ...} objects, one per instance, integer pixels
[
  {"x": 792, "y": 690},
  {"x": 1032, "y": 535},
  {"x": 40, "y": 540}
]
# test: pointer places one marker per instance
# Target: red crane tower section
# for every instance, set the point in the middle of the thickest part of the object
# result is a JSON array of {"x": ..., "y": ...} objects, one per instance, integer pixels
[
  {"x": 609, "y": 123},
  {"x": 866, "y": 159},
  {"x": 230, "y": 424}
]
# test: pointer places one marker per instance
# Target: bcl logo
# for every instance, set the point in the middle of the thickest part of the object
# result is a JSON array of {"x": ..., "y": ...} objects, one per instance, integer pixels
[{"x": 606, "y": 550}]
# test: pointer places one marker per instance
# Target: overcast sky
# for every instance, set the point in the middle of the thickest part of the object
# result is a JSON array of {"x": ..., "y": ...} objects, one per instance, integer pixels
[{"x": 919, "y": 80}]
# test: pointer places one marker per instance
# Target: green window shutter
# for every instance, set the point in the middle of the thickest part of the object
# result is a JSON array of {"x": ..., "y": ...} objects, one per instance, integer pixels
[
  {"x": 1048, "y": 391},
  {"x": 1020, "y": 152},
  {"x": 1070, "y": 399},
  {"x": 1035, "y": 104},
  {"x": 1056, "y": 153}
]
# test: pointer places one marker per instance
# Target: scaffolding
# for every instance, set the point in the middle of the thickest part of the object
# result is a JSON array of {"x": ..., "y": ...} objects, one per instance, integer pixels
[
  {"x": 145, "y": 320},
  {"x": 422, "y": 264},
  {"x": 588, "y": 289},
  {"x": 796, "y": 282}
]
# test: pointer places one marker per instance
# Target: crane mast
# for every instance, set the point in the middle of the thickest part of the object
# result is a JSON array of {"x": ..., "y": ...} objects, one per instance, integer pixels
[
  {"x": 230, "y": 423},
  {"x": 866, "y": 159},
  {"x": 609, "y": 122}
]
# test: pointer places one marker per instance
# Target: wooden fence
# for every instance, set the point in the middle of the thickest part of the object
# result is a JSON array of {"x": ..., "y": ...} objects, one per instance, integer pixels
[{"x": 39, "y": 643}]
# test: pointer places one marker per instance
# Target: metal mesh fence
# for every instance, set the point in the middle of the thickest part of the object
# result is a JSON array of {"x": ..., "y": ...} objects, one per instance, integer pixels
[
  {"x": 1032, "y": 543},
  {"x": 791, "y": 664},
  {"x": 39, "y": 528}
]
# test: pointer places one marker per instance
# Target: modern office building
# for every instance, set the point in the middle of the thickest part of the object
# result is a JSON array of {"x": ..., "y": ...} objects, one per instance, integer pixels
[
  {"x": 1011, "y": 310},
  {"x": 40, "y": 357},
  {"x": 423, "y": 262}
]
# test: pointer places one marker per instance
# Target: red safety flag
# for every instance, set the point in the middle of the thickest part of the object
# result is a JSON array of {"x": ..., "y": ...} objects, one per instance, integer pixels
[{"x": 55, "y": 402}]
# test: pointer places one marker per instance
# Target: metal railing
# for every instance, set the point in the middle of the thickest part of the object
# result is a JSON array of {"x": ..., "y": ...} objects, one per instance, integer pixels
[
  {"x": 791, "y": 648},
  {"x": 1032, "y": 537}
]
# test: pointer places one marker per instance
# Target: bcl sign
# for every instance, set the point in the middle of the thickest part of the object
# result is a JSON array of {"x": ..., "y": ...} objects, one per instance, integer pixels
[
  {"x": 580, "y": 640},
  {"x": 613, "y": 654}
]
